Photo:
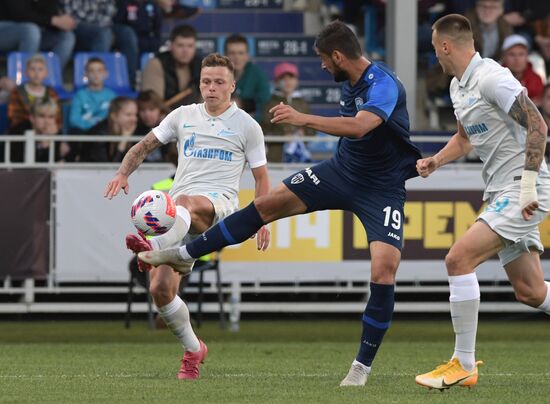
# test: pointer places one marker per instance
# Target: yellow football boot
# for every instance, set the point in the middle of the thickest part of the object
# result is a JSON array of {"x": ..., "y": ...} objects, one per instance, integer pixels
[{"x": 449, "y": 375}]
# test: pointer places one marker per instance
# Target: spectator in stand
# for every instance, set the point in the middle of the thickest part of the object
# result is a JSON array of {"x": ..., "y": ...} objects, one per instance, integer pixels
[
  {"x": 286, "y": 86},
  {"x": 55, "y": 28},
  {"x": 151, "y": 110},
  {"x": 253, "y": 89},
  {"x": 44, "y": 122},
  {"x": 137, "y": 30},
  {"x": 24, "y": 95},
  {"x": 121, "y": 120},
  {"x": 545, "y": 111},
  {"x": 6, "y": 87},
  {"x": 542, "y": 40},
  {"x": 173, "y": 9},
  {"x": 489, "y": 30},
  {"x": 175, "y": 74},
  {"x": 526, "y": 16},
  {"x": 18, "y": 36},
  {"x": 489, "y": 27},
  {"x": 94, "y": 20},
  {"x": 515, "y": 57},
  {"x": 91, "y": 104},
  {"x": 545, "y": 106}
]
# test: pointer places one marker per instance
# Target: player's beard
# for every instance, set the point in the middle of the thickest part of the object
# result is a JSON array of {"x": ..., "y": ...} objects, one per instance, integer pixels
[{"x": 339, "y": 75}]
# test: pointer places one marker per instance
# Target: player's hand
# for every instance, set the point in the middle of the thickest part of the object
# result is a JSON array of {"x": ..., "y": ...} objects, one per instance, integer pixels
[
  {"x": 262, "y": 238},
  {"x": 283, "y": 113},
  {"x": 529, "y": 210},
  {"x": 426, "y": 166},
  {"x": 115, "y": 185},
  {"x": 528, "y": 196}
]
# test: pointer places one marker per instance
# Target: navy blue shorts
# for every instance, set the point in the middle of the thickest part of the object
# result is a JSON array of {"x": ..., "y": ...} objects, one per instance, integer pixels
[{"x": 324, "y": 186}]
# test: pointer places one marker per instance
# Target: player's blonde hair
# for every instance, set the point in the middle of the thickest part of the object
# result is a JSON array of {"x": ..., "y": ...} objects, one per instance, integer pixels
[
  {"x": 456, "y": 27},
  {"x": 215, "y": 59}
]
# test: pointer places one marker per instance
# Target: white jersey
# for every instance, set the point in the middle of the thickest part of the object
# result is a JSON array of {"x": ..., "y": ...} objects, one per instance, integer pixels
[
  {"x": 212, "y": 151},
  {"x": 481, "y": 100}
]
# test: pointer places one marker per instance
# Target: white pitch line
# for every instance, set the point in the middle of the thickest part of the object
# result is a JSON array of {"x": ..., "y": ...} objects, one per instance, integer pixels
[{"x": 243, "y": 375}]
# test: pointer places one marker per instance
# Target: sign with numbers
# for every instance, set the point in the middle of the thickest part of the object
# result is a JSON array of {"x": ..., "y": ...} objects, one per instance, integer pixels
[
  {"x": 285, "y": 46},
  {"x": 250, "y": 4},
  {"x": 320, "y": 93}
]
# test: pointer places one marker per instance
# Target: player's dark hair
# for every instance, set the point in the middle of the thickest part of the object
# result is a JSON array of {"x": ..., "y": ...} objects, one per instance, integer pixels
[
  {"x": 183, "y": 31},
  {"x": 338, "y": 37},
  {"x": 234, "y": 38},
  {"x": 455, "y": 26},
  {"x": 215, "y": 59},
  {"x": 546, "y": 88},
  {"x": 94, "y": 59}
]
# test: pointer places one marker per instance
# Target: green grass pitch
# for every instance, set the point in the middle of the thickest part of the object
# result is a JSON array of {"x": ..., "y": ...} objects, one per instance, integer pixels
[{"x": 266, "y": 362}]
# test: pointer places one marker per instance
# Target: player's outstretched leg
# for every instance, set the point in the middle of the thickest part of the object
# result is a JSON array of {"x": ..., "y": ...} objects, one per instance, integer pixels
[
  {"x": 234, "y": 229},
  {"x": 385, "y": 257},
  {"x": 376, "y": 321},
  {"x": 178, "y": 231}
]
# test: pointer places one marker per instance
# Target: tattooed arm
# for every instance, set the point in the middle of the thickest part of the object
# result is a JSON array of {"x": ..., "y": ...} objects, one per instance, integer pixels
[
  {"x": 524, "y": 112},
  {"x": 131, "y": 161}
]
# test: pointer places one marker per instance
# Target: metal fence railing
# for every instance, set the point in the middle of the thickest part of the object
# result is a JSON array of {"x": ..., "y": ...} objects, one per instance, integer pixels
[{"x": 30, "y": 138}]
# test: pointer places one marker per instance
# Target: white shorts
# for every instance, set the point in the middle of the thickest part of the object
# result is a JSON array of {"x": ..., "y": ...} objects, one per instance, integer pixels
[
  {"x": 503, "y": 216},
  {"x": 224, "y": 205}
]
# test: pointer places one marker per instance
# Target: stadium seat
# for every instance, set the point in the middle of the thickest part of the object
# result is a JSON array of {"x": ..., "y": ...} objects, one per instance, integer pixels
[
  {"x": 117, "y": 78},
  {"x": 144, "y": 59},
  {"x": 16, "y": 71},
  {"x": 3, "y": 119}
]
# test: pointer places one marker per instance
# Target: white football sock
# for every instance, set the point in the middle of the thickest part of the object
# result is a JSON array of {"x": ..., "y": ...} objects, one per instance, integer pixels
[
  {"x": 184, "y": 254},
  {"x": 176, "y": 316},
  {"x": 464, "y": 301},
  {"x": 545, "y": 306},
  {"x": 178, "y": 231}
]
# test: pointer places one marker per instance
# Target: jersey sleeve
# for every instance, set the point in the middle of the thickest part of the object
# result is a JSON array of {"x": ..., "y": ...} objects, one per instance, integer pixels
[
  {"x": 500, "y": 89},
  {"x": 167, "y": 129},
  {"x": 381, "y": 97},
  {"x": 255, "y": 147}
]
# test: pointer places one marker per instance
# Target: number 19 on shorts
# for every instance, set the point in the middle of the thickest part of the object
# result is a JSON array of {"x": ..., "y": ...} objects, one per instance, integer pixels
[{"x": 393, "y": 216}]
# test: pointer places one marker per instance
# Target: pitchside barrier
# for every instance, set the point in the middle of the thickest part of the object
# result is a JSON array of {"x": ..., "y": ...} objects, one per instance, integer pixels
[{"x": 62, "y": 238}]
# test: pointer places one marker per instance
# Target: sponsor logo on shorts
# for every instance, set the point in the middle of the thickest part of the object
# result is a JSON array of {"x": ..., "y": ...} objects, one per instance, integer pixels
[
  {"x": 313, "y": 177},
  {"x": 297, "y": 179},
  {"x": 393, "y": 235}
]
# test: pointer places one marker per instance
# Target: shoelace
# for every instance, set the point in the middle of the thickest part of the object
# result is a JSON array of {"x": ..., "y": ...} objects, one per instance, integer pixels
[
  {"x": 445, "y": 369},
  {"x": 189, "y": 366}
]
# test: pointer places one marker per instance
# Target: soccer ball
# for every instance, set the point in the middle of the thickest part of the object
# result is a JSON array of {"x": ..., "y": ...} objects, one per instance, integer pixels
[{"x": 153, "y": 213}]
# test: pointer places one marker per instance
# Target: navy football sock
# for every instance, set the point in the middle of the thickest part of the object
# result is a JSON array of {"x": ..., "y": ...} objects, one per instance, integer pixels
[
  {"x": 376, "y": 320},
  {"x": 234, "y": 229}
]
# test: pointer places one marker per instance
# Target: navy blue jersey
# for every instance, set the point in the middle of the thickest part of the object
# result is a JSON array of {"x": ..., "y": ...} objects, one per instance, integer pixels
[{"x": 384, "y": 156}]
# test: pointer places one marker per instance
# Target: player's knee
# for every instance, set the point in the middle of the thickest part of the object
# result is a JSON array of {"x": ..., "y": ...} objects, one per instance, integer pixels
[
  {"x": 384, "y": 273},
  {"x": 528, "y": 296},
  {"x": 264, "y": 208},
  {"x": 162, "y": 295},
  {"x": 455, "y": 262}
]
